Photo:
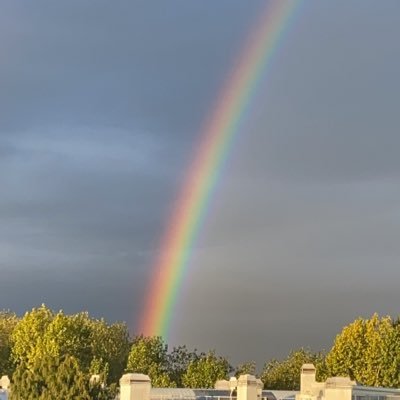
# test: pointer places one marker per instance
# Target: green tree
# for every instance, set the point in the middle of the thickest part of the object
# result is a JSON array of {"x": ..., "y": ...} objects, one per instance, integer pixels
[
  {"x": 367, "y": 350},
  {"x": 67, "y": 382},
  {"x": 178, "y": 363},
  {"x": 28, "y": 336},
  {"x": 47, "y": 379},
  {"x": 69, "y": 335},
  {"x": 26, "y": 385},
  {"x": 149, "y": 355},
  {"x": 110, "y": 346},
  {"x": 205, "y": 371},
  {"x": 249, "y": 367},
  {"x": 97, "y": 346},
  {"x": 285, "y": 374},
  {"x": 98, "y": 391},
  {"x": 8, "y": 321},
  {"x": 390, "y": 373}
]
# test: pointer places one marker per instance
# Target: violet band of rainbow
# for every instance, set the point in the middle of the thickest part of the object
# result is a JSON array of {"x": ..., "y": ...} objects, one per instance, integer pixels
[{"x": 217, "y": 136}]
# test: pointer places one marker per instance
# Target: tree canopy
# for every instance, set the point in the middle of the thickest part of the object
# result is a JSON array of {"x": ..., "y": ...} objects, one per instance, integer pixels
[
  {"x": 367, "y": 350},
  {"x": 48, "y": 353},
  {"x": 205, "y": 371},
  {"x": 97, "y": 346},
  {"x": 49, "y": 378},
  {"x": 178, "y": 363},
  {"x": 149, "y": 355},
  {"x": 285, "y": 374},
  {"x": 248, "y": 367},
  {"x": 8, "y": 322}
]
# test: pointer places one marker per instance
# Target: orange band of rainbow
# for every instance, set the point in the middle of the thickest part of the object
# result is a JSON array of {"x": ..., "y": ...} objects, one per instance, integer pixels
[{"x": 218, "y": 134}]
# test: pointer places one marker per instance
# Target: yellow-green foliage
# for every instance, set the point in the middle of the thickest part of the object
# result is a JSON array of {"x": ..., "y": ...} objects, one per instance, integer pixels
[
  {"x": 29, "y": 336},
  {"x": 205, "y": 371},
  {"x": 367, "y": 350},
  {"x": 38, "y": 344},
  {"x": 97, "y": 346},
  {"x": 8, "y": 322},
  {"x": 248, "y": 367},
  {"x": 285, "y": 374},
  {"x": 149, "y": 355},
  {"x": 50, "y": 378}
]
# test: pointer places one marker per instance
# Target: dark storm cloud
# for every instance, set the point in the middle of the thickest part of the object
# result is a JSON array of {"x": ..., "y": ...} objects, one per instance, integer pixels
[
  {"x": 334, "y": 117},
  {"x": 6, "y": 150},
  {"x": 123, "y": 66},
  {"x": 303, "y": 227},
  {"x": 83, "y": 185},
  {"x": 78, "y": 235},
  {"x": 101, "y": 109}
]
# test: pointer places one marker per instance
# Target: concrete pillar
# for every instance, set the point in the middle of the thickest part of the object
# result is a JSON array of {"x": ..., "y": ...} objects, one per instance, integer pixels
[
  {"x": 5, "y": 382},
  {"x": 307, "y": 378},
  {"x": 221, "y": 385},
  {"x": 135, "y": 387},
  {"x": 232, "y": 383},
  {"x": 339, "y": 388},
  {"x": 260, "y": 387},
  {"x": 247, "y": 387},
  {"x": 232, "y": 386}
]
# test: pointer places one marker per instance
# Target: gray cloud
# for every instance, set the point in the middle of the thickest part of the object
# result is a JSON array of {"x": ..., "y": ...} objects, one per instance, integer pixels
[
  {"x": 117, "y": 65},
  {"x": 101, "y": 109}
]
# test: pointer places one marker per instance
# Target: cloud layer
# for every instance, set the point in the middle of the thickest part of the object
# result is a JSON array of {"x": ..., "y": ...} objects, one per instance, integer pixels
[{"x": 101, "y": 109}]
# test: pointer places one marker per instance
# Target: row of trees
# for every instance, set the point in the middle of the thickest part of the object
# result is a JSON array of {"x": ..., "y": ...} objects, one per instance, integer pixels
[
  {"x": 47, "y": 353},
  {"x": 179, "y": 368},
  {"x": 367, "y": 350}
]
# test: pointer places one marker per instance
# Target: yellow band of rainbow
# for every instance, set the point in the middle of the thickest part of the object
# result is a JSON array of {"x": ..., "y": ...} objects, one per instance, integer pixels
[{"x": 216, "y": 139}]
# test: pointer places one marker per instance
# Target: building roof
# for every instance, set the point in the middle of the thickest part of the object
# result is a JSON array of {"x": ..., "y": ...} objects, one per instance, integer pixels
[
  {"x": 171, "y": 393},
  {"x": 279, "y": 394},
  {"x": 192, "y": 394}
]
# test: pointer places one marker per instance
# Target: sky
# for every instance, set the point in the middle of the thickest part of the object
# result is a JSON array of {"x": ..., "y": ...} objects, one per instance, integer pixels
[{"x": 101, "y": 108}]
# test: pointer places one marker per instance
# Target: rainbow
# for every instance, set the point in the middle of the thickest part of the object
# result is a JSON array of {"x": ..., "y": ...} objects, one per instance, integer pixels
[{"x": 216, "y": 139}]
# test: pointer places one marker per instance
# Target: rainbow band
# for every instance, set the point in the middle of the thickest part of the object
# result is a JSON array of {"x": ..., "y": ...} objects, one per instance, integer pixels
[{"x": 216, "y": 140}]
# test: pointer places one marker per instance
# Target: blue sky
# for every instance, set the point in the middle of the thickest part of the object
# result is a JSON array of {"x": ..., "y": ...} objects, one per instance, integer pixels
[{"x": 100, "y": 109}]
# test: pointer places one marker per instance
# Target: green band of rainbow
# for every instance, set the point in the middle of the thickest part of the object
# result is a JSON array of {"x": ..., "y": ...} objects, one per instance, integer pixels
[{"x": 218, "y": 134}]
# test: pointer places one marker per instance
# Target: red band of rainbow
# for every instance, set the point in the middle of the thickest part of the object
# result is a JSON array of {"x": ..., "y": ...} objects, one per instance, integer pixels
[{"x": 218, "y": 134}]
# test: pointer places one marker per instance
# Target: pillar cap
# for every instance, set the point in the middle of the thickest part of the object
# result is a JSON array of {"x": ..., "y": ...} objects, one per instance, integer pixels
[
  {"x": 339, "y": 382},
  {"x": 308, "y": 369},
  {"x": 247, "y": 380},
  {"x": 134, "y": 378}
]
